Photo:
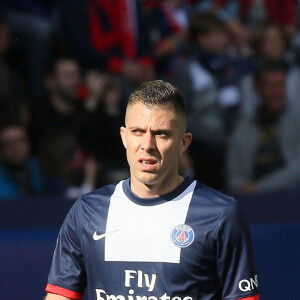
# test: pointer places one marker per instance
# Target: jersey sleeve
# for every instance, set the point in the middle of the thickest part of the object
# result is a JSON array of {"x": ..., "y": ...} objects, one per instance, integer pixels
[
  {"x": 67, "y": 275},
  {"x": 235, "y": 258}
]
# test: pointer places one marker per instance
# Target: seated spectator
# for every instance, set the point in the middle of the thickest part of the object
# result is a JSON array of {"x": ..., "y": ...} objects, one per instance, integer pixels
[
  {"x": 131, "y": 39},
  {"x": 20, "y": 173},
  {"x": 101, "y": 122},
  {"x": 268, "y": 43},
  {"x": 264, "y": 153},
  {"x": 59, "y": 110},
  {"x": 56, "y": 122},
  {"x": 241, "y": 16},
  {"x": 116, "y": 161},
  {"x": 207, "y": 78},
  {"x": 102, "y": 34}
]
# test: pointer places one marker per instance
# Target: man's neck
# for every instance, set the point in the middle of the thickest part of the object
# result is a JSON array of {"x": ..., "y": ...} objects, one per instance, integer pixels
[
  {"x": 265, "y": 114},
  {"x": 143, "y": 190}
]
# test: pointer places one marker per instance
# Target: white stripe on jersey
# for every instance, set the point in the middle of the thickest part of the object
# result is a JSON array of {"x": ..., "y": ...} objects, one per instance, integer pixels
[{"x": 144, "y": 231}]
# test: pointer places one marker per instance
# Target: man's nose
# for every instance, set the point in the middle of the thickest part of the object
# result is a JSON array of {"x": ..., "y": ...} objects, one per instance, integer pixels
[{"x": 148, "y": 142}]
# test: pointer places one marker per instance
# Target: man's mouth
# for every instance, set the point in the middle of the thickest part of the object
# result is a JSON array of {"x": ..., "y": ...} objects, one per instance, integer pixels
[{"x": 147, "y": 164}]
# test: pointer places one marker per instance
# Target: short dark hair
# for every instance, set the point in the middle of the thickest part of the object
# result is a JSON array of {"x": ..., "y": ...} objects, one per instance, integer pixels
[
  {"x": 269, "y": 66},
  {"x": 51, "y": 67},
  {"x": 259, "y": 32},
  {"x": 202, "y": 23},
  {"x": 157, "y": 93}
]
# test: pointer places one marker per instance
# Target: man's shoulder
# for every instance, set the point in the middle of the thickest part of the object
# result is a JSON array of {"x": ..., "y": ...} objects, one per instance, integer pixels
[
  {"x": 211, "y": 210},
  {"x": 208, "y": 198},
  {"x": 101, "y": 194},
  {"x": 212, "y": 194}
]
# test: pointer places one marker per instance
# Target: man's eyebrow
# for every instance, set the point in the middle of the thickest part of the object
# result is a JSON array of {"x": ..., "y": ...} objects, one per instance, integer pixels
[
  {"x": 161, "y": 130},
  {"x": 135, "y": 127},
  {"x": 167, "y": 131}
]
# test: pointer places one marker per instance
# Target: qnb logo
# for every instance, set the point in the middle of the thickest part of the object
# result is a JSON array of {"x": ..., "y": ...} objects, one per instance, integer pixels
[{"x": 248, "y": 285}]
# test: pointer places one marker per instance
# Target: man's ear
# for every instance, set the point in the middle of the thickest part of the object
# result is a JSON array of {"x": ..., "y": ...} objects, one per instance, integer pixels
[
  {"x": 185, "y": 142},
  {"x": 123, "y": 136}
]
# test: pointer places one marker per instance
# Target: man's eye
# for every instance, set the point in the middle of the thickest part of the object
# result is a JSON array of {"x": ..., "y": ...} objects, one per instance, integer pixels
[
  {"x": 161, "y": 133},
  {"x": 136, "y": 132}
]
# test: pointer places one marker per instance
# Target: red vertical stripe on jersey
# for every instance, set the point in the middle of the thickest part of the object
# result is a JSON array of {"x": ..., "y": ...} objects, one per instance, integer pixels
[
  {"x": 256, "y": 297},
  {"x": 63, "y": 292}
]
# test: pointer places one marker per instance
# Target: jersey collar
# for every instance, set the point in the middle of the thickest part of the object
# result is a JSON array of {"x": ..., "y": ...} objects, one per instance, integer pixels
[{"x": 156, "y": 200}]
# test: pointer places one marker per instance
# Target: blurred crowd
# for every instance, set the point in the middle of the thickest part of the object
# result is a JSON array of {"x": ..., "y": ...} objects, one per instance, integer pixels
[{"x": 67, "y": 68}]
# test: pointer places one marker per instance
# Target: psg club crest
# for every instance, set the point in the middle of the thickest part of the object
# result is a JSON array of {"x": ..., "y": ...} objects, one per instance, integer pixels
[{"x": 182, "y": 236}]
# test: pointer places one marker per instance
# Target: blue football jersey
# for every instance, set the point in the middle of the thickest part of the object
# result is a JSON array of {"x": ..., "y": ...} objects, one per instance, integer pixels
[{"x": 190, "y": 244}]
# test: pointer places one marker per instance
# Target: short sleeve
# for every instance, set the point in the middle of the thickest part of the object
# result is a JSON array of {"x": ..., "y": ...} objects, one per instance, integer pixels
[
  {"x": 67, "y": 275},
  {"x": 234, "y": 256}
]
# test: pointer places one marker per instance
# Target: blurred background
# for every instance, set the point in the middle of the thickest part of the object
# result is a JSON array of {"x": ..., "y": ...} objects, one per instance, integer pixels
[{"x": 67, "y": 68}]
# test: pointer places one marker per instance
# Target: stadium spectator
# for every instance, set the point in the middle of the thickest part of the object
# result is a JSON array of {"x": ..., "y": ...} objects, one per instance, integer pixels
[
  {"x": 207, "y": 78},
  {"x": 242, "y": 16},
  {"x": 171, "y": 32},
  {"x": 99, "y": 134},
  {"x": 56, "y": 121},
  {"x": 264, "y": 154},
  {"x": 102, "y": 34},
  {"x": 59, "y": 110},
  {"x": 268, "y": 43},
  {"x": 136, "y": 41},
  {"x": 132, "y": 39},
  {"x": 20, "y": 173}
]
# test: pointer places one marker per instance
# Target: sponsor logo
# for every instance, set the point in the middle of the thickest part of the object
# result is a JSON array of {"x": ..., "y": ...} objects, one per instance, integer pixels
[
  {"x": 101, "y": 295},
  {"x": 182, "y": 236},
  {"x": 138, "y": 279},
  {"x": 97, "y": 237},
  {"x": 248, "y": 285}
]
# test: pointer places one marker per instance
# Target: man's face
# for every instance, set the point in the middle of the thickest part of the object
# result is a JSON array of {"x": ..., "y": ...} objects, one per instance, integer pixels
[
  {"x": 272, "y": 45},
  {"x": 272, "y": 88},
  {"x": 67, "y": 79},
  {"x": 215, "y": 42},
  {"x": 14, "y": 145},
  {"x": 153, "y": 138}
]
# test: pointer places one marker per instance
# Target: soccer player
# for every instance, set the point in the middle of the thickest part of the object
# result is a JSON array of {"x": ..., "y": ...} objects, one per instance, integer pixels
[{"x": 155, "y": 235}]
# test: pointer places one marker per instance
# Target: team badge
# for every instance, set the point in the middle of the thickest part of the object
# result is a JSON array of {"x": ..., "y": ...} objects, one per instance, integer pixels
[{"x": 182, "y": 236}]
